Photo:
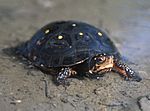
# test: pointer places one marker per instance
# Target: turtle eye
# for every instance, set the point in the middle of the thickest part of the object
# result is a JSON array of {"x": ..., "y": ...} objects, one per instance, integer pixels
[{"x": 100, "y": 60}]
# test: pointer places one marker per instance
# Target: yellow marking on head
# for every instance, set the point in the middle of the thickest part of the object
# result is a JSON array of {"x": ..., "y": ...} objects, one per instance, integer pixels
[
  {"x": 90, "y": 71},
  {"x": 73, "y": 25},
  {"x": 41, "y": 65},
  {"x": 60, "y": 37},
  {"x": 47, "y": 31},
  {"x": 81, "y": 33},
  {"x": 100, "y": 34}
]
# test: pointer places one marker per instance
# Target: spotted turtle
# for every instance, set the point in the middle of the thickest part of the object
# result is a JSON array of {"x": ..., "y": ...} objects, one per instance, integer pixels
[{"x": 73, "y": 47}]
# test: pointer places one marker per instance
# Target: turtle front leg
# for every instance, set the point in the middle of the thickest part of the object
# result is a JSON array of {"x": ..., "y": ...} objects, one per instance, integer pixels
[
  {"x": 64, "y": 74},
  {"x": 125, "y": 71}
]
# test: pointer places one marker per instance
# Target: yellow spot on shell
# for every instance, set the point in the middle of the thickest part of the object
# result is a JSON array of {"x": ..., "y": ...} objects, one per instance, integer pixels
[
  {"x": 73, "y": 25},
  {"x": 38, "y": 42},
  {"x": 60, "y": 37},
  {"x": 100, "y": 34},
  {"x": 80, "y": 33},
  {"x": 47, "y": 31}
]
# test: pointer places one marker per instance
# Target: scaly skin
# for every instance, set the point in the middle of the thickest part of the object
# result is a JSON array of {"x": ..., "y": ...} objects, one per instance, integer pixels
[{"x": 126, "y": 71}]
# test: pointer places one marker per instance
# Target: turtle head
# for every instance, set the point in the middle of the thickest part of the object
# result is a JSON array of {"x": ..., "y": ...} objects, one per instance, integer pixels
[{"x": 101, "y": 63}]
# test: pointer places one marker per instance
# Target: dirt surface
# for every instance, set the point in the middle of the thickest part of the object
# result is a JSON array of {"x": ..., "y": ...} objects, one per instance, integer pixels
[{"x": 24, "y": 88}]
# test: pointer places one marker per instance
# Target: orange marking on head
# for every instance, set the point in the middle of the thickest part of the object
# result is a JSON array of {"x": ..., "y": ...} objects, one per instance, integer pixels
[{"x": 107, "y": 64}]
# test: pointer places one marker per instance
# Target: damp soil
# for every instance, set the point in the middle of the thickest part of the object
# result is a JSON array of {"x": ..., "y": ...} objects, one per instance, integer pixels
[{"x": 25, "y": 88}]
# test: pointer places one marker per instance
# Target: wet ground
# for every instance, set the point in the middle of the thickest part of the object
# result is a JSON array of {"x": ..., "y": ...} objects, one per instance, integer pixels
[{"x": 23, "y": 88}]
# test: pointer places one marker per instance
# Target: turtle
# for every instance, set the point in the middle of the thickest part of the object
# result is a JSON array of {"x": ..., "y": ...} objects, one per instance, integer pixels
[{"x": 75, "y": 47}]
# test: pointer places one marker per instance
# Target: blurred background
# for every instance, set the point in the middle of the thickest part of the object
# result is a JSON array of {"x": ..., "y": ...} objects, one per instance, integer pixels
[
  {"x": 127, "y": 22},
  {"x": 123, "y": 19}
]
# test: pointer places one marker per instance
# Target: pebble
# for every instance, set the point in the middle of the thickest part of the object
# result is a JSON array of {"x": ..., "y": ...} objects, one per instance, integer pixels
[{"x": 15, "y": 102}]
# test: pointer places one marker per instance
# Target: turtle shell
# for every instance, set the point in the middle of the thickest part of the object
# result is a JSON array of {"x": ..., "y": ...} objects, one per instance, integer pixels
[{"x": 66, "y": 43}]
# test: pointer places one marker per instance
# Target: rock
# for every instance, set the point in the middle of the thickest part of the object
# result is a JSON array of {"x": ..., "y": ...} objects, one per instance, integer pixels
[{"x": 144, "y": 103}]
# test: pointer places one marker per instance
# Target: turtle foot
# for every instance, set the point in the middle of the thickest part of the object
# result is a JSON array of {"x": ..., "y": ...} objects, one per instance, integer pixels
[
  {"x": 126, "y": 71},
  {"x": 63, "y": 75}
]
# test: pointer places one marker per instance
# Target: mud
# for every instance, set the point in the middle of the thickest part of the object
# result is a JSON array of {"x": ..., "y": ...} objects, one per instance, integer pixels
[{"x": 25, "y": 88}]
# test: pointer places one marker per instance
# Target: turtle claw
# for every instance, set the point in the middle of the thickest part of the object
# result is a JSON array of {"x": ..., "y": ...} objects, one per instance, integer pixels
[
  {"x": 136, "y": 77},
  {"x": 62, "y": 82}
]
